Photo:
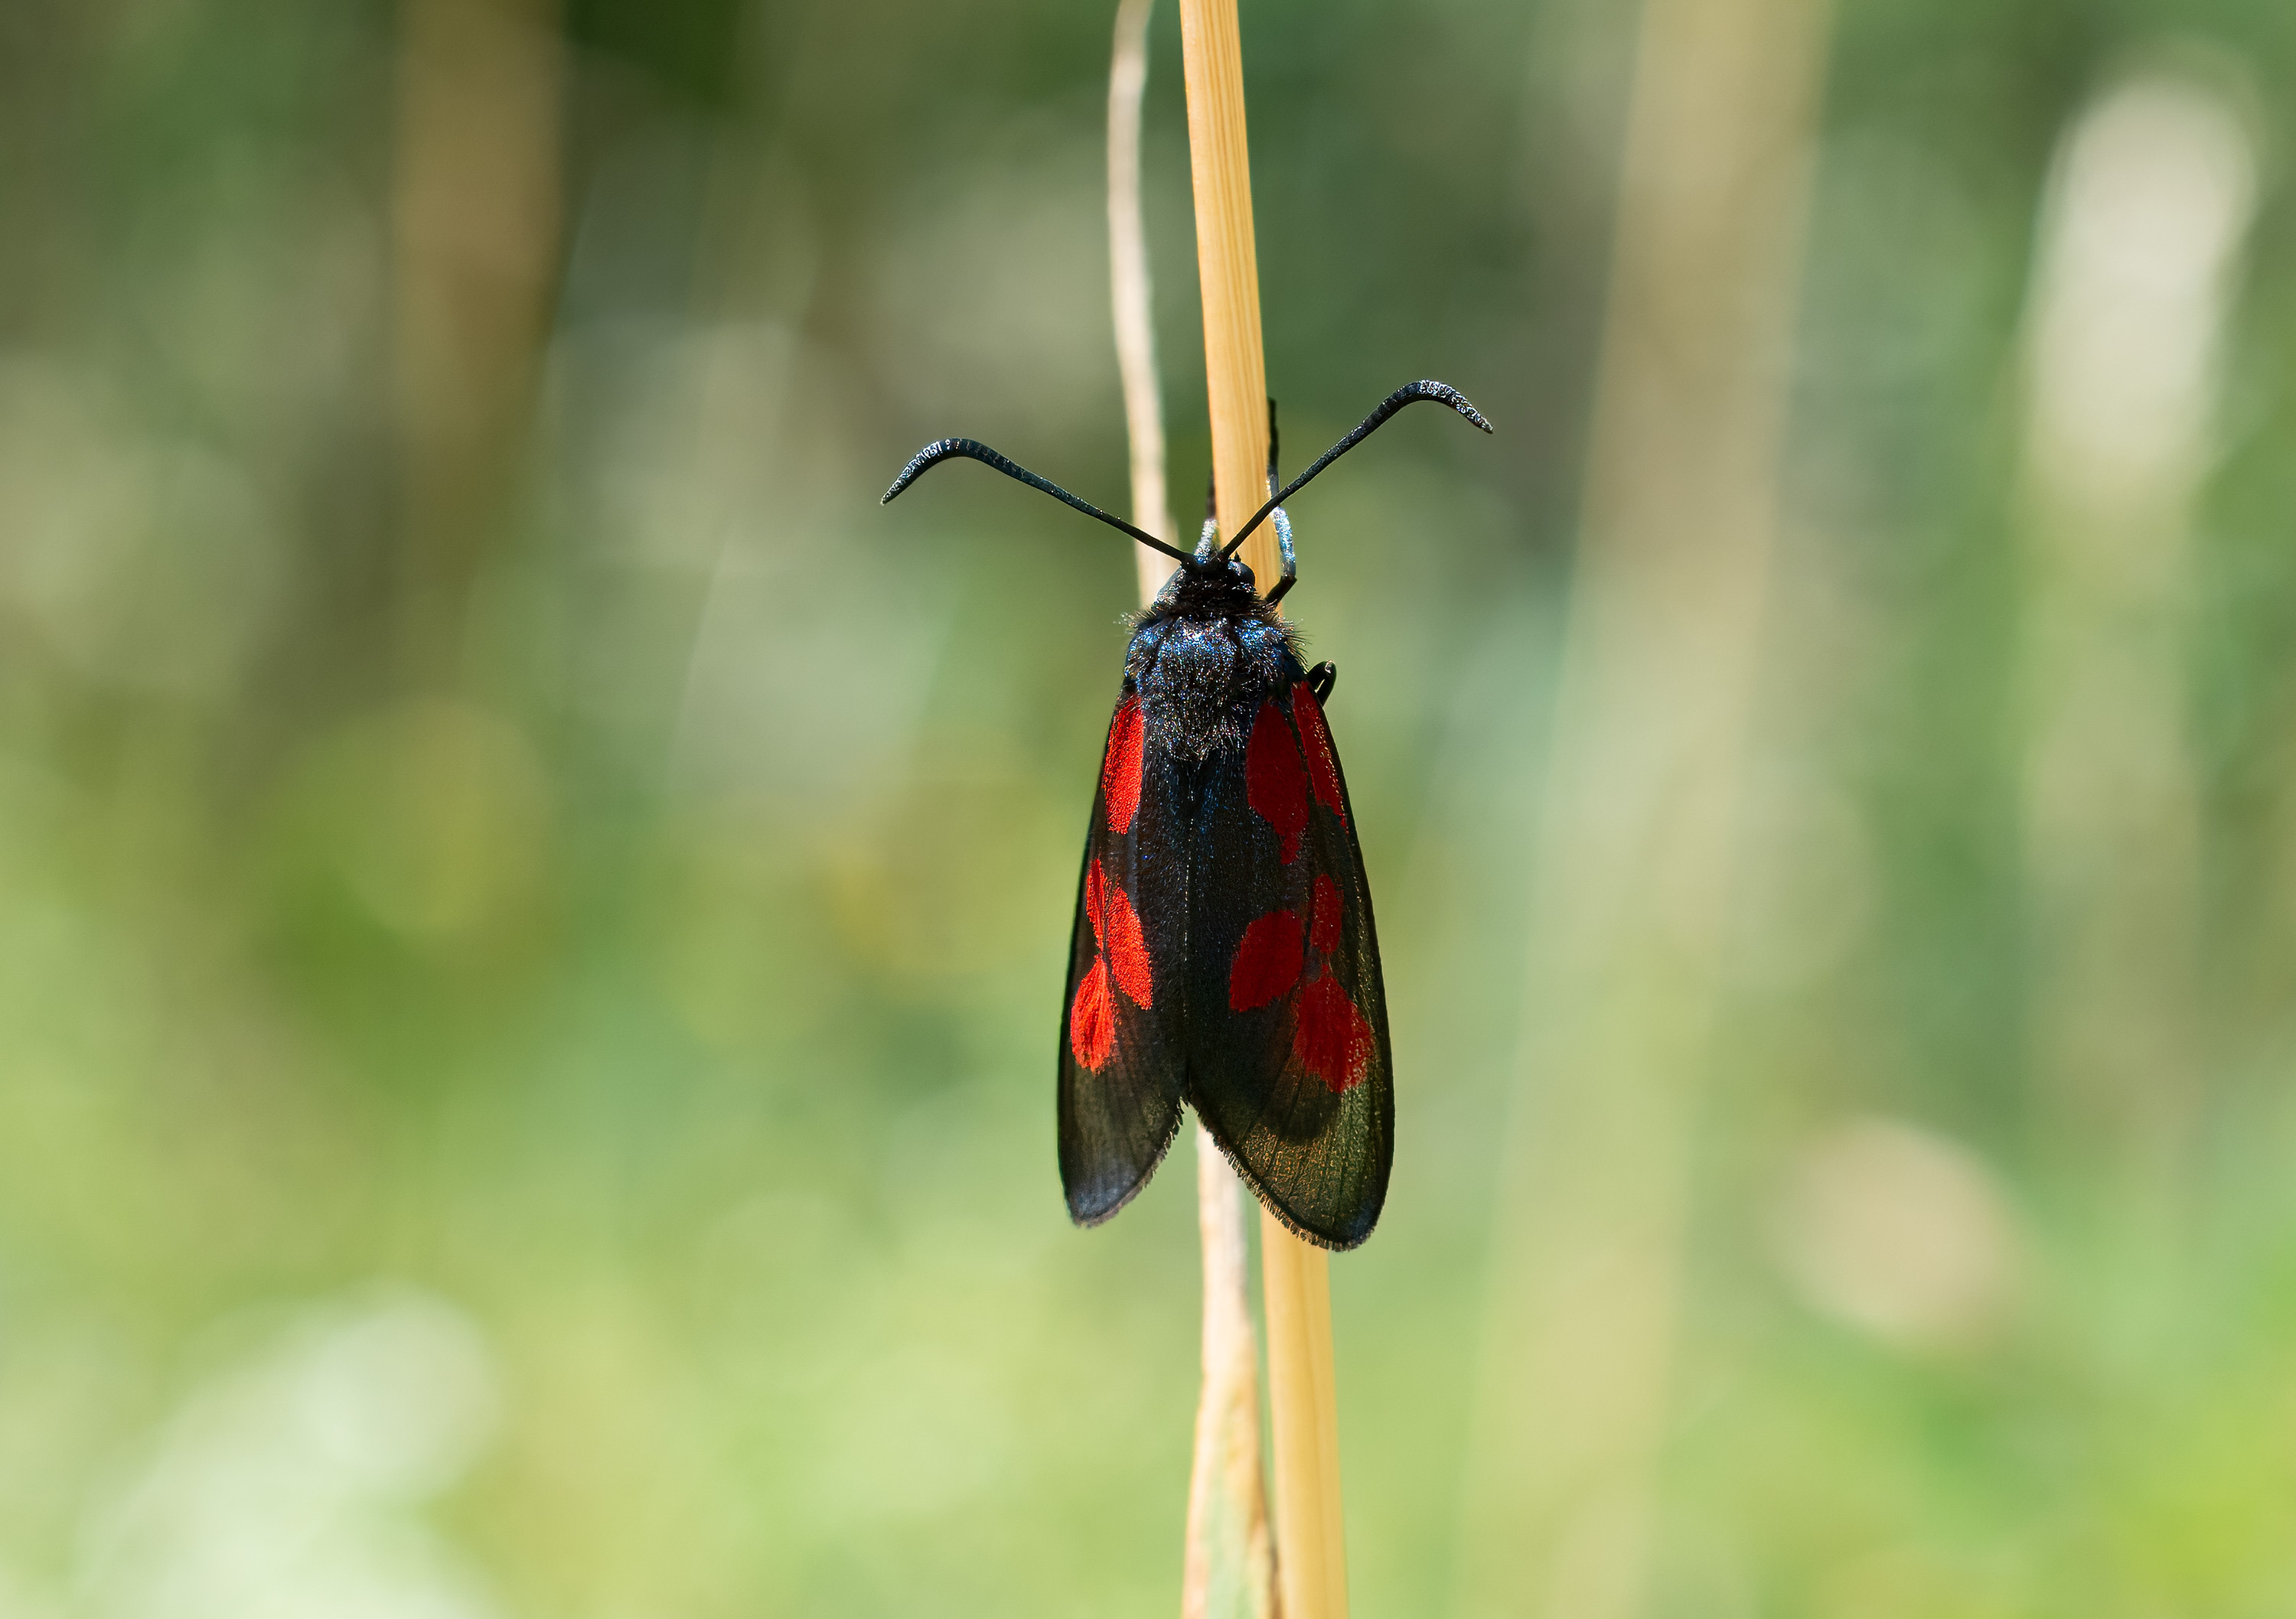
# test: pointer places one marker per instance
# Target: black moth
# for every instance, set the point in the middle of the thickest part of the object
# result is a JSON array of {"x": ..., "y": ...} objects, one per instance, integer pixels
[{"x": 1224, "y": 954}]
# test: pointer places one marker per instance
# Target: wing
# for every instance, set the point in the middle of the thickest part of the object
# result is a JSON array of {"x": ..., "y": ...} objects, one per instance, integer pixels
[
  {"x": 1288, "y": 1059},
  {"x": 1122, "y": 1061}
]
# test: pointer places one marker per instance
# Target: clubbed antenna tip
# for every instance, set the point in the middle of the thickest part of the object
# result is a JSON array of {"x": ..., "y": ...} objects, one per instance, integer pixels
[
  {"x": 918, "y": 462},
  {"x": 971, "y": 449},
  {"x": 1458, "y": 401},
  {"x": 1411, "y": 394}
]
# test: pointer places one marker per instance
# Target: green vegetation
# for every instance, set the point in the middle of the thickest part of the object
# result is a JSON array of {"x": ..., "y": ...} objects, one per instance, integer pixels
[{"x": 532, "y": 912}]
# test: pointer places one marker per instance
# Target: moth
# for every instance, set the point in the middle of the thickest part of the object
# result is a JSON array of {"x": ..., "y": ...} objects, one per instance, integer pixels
[{"x": 1224, "y": 954}]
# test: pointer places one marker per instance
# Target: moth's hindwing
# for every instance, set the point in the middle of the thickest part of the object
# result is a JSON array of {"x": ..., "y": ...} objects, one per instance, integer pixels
[
  {"x": 1121, "y": 1059},
  {"x": 1286, "y": 1016}
]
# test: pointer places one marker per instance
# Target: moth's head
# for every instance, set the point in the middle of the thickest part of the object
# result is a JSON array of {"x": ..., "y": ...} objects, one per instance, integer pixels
[
  {"x": 1207, "y": 587},
  {"x": 1208, "y": 581}
]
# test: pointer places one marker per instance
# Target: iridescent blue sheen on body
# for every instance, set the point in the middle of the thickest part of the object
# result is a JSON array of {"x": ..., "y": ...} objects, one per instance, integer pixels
[{"x": 1205, "y": 655}]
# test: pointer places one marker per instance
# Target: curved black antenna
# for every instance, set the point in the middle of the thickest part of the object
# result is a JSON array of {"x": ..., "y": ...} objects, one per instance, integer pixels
[
  {"x": 1387, "y": 407},
  {"x": 942, "y": 449}
]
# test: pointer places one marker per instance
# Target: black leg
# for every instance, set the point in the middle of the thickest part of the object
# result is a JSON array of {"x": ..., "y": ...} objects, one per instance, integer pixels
[
  {"x": 1321, "y": 679},
  {"x": 1282, "y": 523},
  {"x": 1290, "y": 577}
]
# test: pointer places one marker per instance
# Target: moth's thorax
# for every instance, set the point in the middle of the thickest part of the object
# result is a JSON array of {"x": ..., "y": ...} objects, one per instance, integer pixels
[{"x": 1204, "y": 657}]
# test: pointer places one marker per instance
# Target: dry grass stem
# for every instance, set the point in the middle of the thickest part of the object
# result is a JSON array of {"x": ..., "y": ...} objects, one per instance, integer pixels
[
  {"x": 1229, "y": 1569},
  {"x": 1227, "y": 266},
  {"x": 1130, "y": 293},
  {"x": 1311, "y": 1562},
  {"x": 1231, "y": 1563}
]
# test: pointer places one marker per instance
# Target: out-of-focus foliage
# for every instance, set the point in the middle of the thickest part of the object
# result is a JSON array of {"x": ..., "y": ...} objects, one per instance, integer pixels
[{"x": 531, "y": 912}]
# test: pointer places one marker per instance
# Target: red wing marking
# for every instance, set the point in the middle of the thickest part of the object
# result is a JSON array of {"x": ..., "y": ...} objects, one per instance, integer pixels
[
  {"x": 1273, "y": 780},
  {"x": 1323, "y": 765},
  {"x": 1125, "y": 950},
  {"x": 1266, "y": 963},
  {"x": 1095, "y": 901},
  {"x": 1119, "y": 773},
  {"x": 1333, "y": 1039},
  {"x": 1092, "y": 1019},
  {"x": 1324, "y": 915}
]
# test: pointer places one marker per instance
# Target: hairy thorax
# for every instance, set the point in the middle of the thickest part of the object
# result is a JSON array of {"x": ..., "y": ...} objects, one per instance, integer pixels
[{"x": 1203, "y": 657}]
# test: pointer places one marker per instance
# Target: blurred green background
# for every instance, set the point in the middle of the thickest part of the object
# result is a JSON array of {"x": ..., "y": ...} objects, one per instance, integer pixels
[{"x": 533, "y": 913}]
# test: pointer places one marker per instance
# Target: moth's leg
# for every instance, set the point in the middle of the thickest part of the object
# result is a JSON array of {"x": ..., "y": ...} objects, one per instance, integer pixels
[
  {"x": 1283, "y": 522},
  {"x": 1321, "y": 679},
  {"x": 1282, "y": 525}
]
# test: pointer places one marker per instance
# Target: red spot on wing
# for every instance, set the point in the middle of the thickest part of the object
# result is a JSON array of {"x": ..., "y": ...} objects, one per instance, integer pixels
[
  {"x": 1274, "y": 781},
  {"x": 1092, "y": 1019},
  {"x": 1119, "y": 770},
  {"x": 1125, "y": 950},
  {"x": 1266, "y": 963},
  {"x": 1095, "y": 892},
  {"x": 1333, "y": 1041},
  {"x": 1323, "y": 763},
  {"x": 1324, "y": 915},
  {"x": 1116, "y": 930}
]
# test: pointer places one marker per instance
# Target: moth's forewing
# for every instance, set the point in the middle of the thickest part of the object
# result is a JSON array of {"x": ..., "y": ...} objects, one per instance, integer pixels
[
  {"x": 1121, "y": 1059},
  {"x": 1286, "y": 1018}
]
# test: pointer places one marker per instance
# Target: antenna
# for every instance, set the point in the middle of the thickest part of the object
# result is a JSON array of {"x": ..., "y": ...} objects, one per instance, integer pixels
[
  {"x": 934, "y": 454},
  {"x": 1394, "y": 402}
]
